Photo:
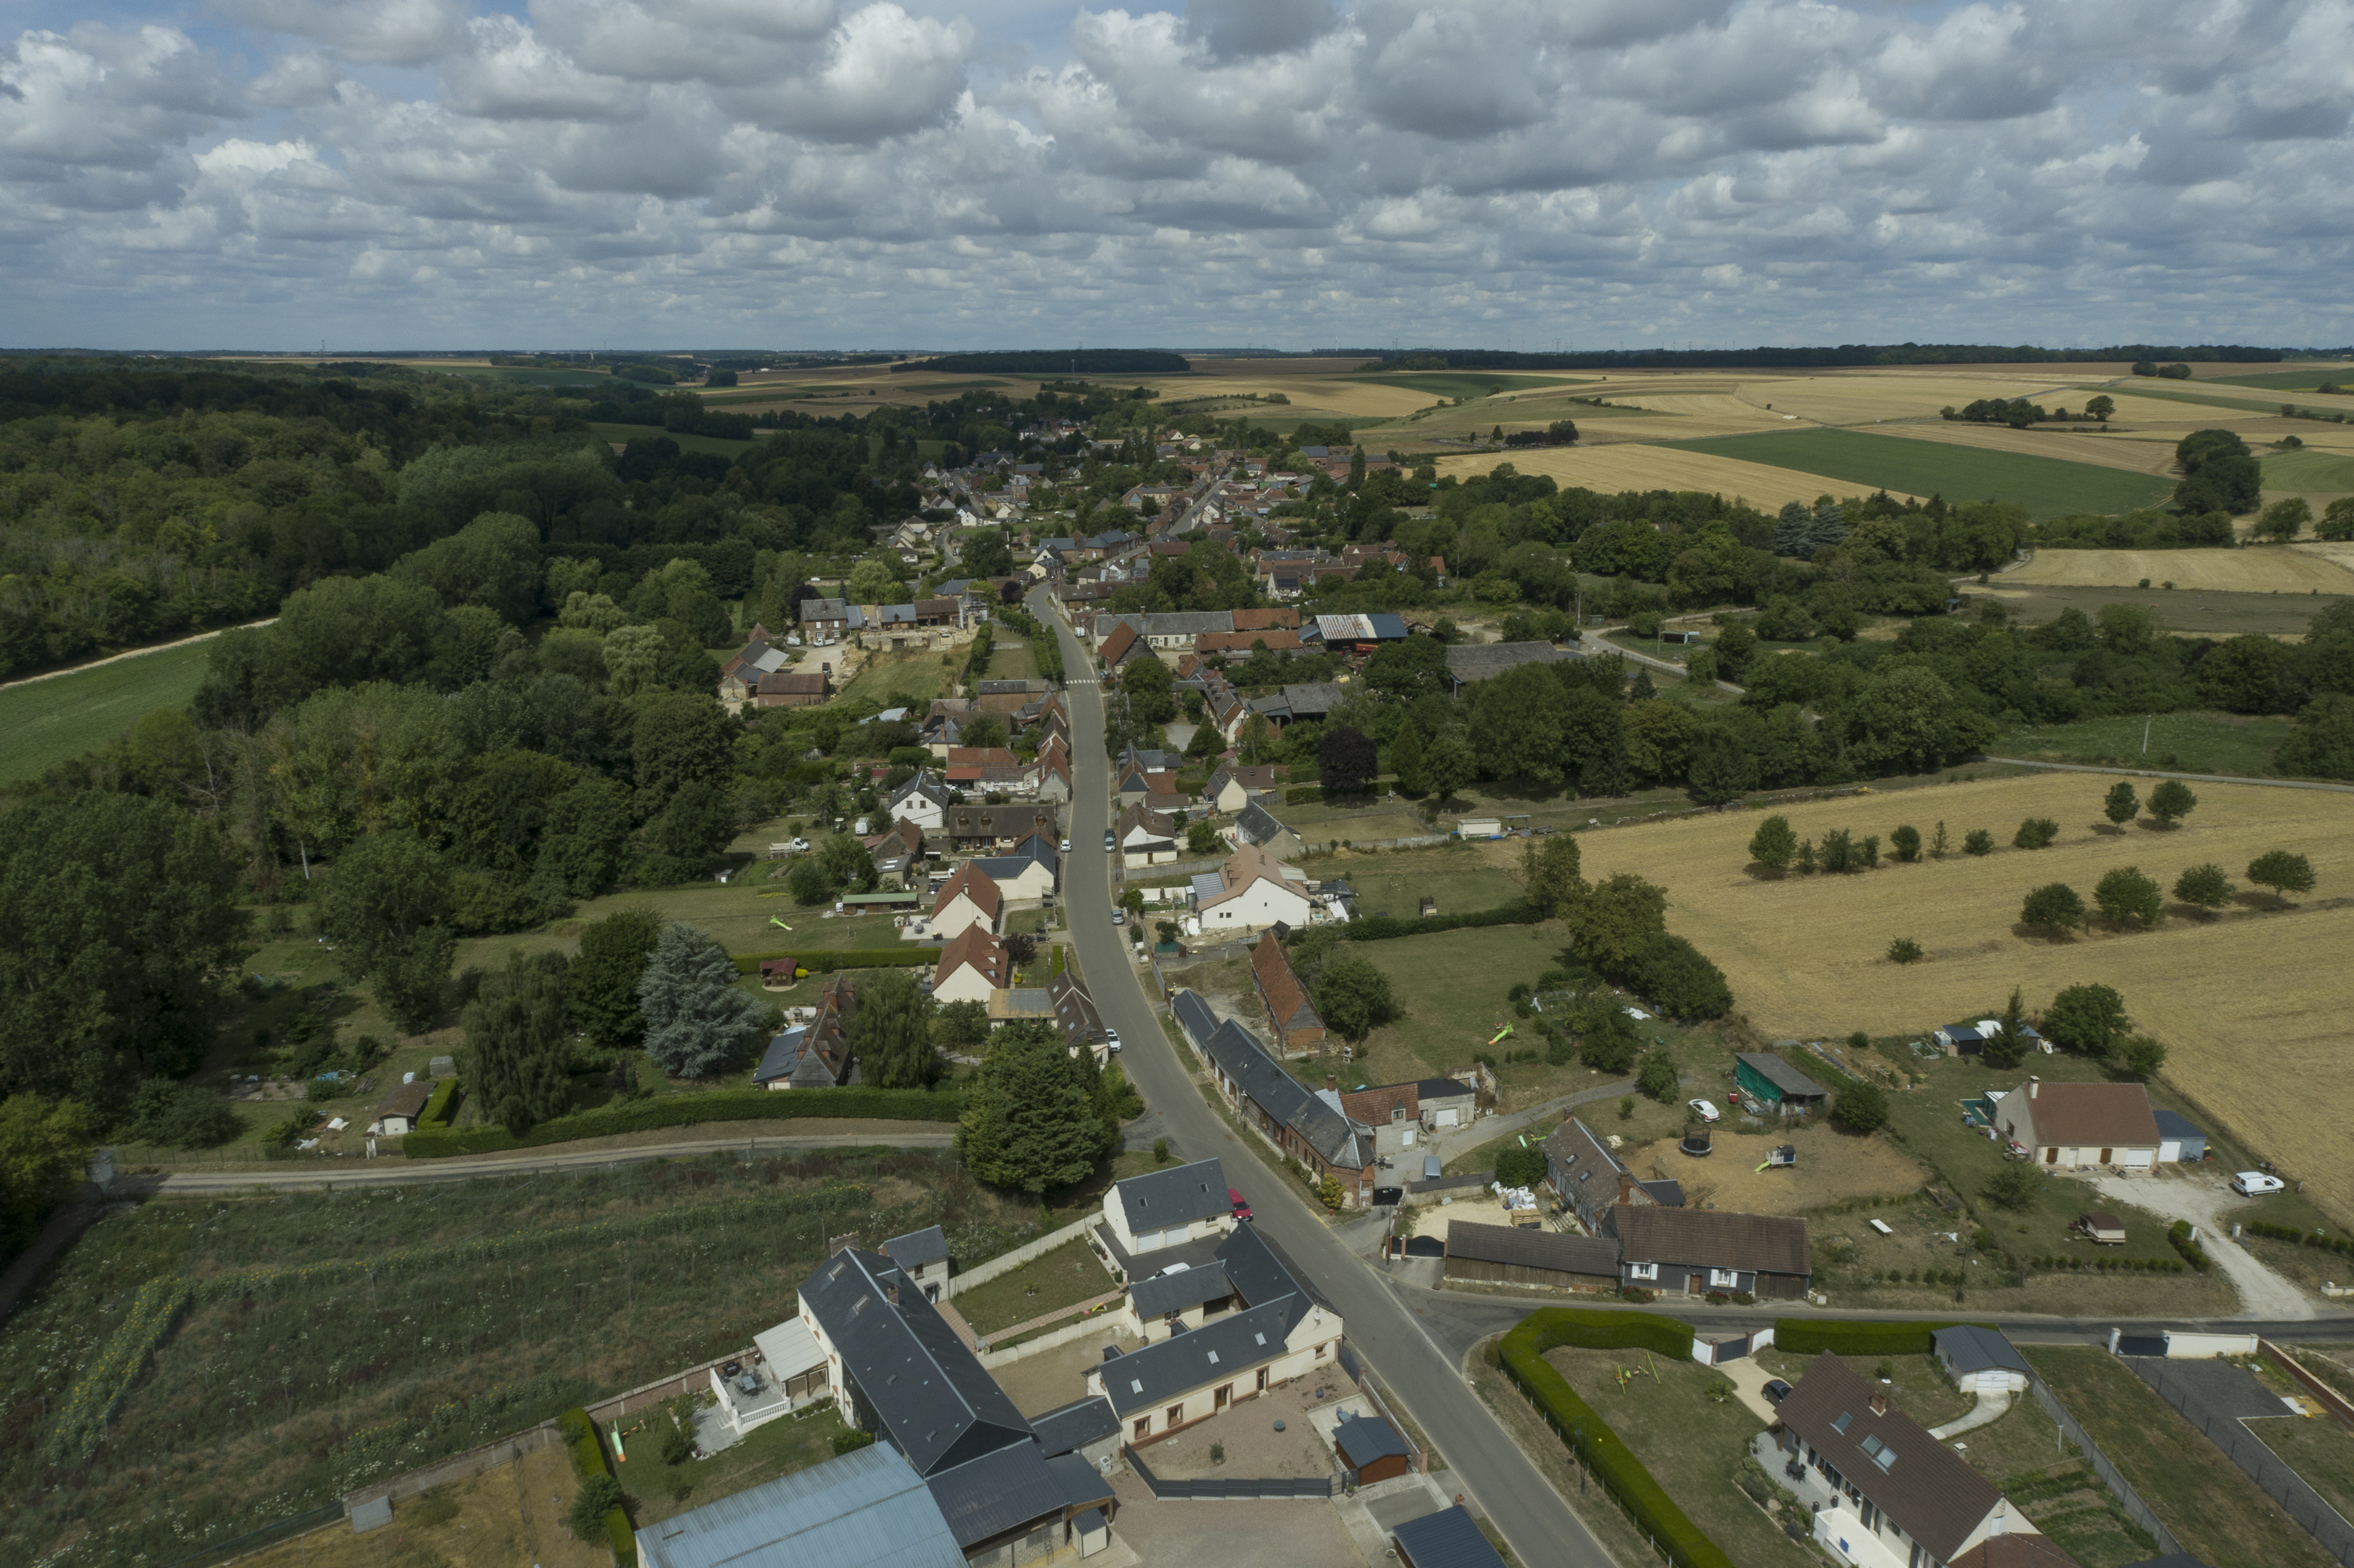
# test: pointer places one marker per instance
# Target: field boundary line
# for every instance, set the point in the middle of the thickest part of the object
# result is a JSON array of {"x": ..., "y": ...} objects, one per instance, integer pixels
[
  {"x": 134, "y": 653},
  {"x": 2157, "y": 773}
]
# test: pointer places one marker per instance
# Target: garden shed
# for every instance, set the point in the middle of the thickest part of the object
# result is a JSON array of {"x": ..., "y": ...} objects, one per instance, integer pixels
[{"x": 1769, "y": 1079}]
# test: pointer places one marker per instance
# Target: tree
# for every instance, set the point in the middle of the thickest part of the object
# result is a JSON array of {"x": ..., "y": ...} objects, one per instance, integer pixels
[
  {"x": 1148, "y": 685},
  {"x": 1735, "y": 646},
  {"x": 2014, "y": 1186},
  {"x": 2087, "y": 1018},
  {"x": 680, "y": 737},
  {"x": 1029, "y": 1126},
  {"x": 1618, "y": 920},
  {"x": 2203, "y": 887},
  {"x": 1201, "y": 839},
  {"x": 387, "y": 907},
  {"x": 2284, "y": 520},
  {"x": 2052, "y": 907},
  {"x": 697, "y": 1018},
  {"x": 873, "y": 581},
  {"x": 2283, "y": 872},
  {"x": 1405, "y": 760},
  {"x": 1904, "y": 950},
  {"x": 1721, "y": 770},
  {"x": 1446, "y": 766},
  {"x": 1550, "y": 876},
  {"x": 2121, "y": 805},
  {"x": 1352, "y": 996},
  {"x": 1521, "y": 1166},
  {"x": 1977, "y": 840},
  {"x": 2007, "y": 1045},
  {"x": 517, "y": 1047},
  {"x": 1906, "y": 841},
  {"x": 891, "y": 1031},
  {"x": 2141, "y": 1057},
  {"x": 1860, "y": 1107},
  {"x": 1347, "y": 761},
  {"x": 1606, "y": 1040},
  {"x": 42, "y": 1145},
  {"x": 2035, "y": 834},
  {"x": 2126, "y": 893},
  {"x": 1680, "y": 980},
  {"x": 1773, "y": 843},
  {"x": 2337, "y": 520},
  {"x": 180, "y": 1114},
  {"x": 1940, "y": 845},
  {"x": 120, "y": 914},
  {"x": 2171, "y": 802},
  {"x": 963, "y": 1025},
  {"x": 1516, "y": 726},
  {"x": 2100, "y": 407},
  {"x": 1659, "y": 1077},
  {"x": 2322, "y": 745},
  {"x": 679, "y": 843}
]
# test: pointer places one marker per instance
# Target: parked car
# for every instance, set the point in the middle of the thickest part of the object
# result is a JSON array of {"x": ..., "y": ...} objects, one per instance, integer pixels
[
  {"x": 1241, "y": 1209},
  {"x": 2256, "y": 1184},
  {"x": 1119, "y": 916},
  {"x": 1704, "y": 1109},
  {"x": 800, "y": 846},
  {"x": 1389, "y": 1195},
  {"x": 1067, "y": 846},
  {"x": 1776, "y": 1391},
  {"x": 1111, "y": 1040},
  {"x": 1111, "y": 841}
]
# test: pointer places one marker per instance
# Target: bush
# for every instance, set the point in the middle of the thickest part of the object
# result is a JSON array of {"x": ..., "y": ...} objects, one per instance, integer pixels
[
  {"x": 1521, "y": 1166},
  {"x": 1578, "y": 1425},
  {"x": 687, "y": 1110},
  {"x": 1862, "y": 1106},
  {"x": 1382, "y": 927},
  {"x": 677, "y": 1446},
  {"x": 852, "y": 1441},
  {"x": 441, "y": 1104},
  {"x": 2192, "y": 1253},
  {"x": 181, "y": 1115},
  {"x": 1904, "y": 950},
  {"x": 1977, "y": 840},
  {"x": 1303, "y": 794},
  {"x": 2035, "y": 832},
  {"x": 1906, "y": 841},
  {"x": 599, "y": 1494},
  {"x": 914, "y": 955},
  {"x": 1680, "y": 980}
]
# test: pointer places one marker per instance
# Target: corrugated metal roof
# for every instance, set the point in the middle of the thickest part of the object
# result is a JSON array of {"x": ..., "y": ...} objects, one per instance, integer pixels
[
  {"x": 865, "y": 1509},
  {"x": 1447, "y": 1539},
  {"x": 1781, "y": 1074}
]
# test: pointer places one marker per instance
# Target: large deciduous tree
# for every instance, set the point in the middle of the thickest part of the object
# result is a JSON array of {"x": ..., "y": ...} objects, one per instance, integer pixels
[
  {"x": 1447, "y": 765},
  {"x": 891, "y": 1033},
  {"x": 1773, "y": 843},
  {"x": 605, "y": 975},
  {"x": 680, "y": 738},
  {"x": 2171, "y": 802},
  {"x": 1516, "y": 726},
  {"x": 2121, "y": 805},
  {"x": 517, "y": 1046},
  {"x": 1353, "y": 995},
  {"x": 2087, "y": 1018},
  {"x": 387, "y": 907},
  {"x": 697, "y": 1018},
  {"x": 2052, "y": 907},
  {"x": 1618, "y": 918},
  {"x": 1346, "y": 760},
  {"x": 2283, "y": 871},
  {"x": 41, "y": 1148},
  {"x": 1549, "y": 875},
  {"x": 2127, "y": 894}
]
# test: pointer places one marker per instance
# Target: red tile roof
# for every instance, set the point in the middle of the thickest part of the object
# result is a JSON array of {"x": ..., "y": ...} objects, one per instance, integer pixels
[{"x": 969, "y": 881}]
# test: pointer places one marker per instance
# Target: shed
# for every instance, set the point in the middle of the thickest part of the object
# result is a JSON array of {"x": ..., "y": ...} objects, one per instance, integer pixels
[
  {"x": 1479, "y": 827},
  {"x": 1372, "y": 1448},
  {"x": 2101, "y": 1226},
  {"x": 1448, "y": 1539},
  {"x": 780, "y": 974},
  {"x": 1510, "y": 1254},
  {"x": 398, "y": 1111},
  {"x": 1767, "y": 1077},
  {"x": 1979, "y": 1360},
  {"x": 2177, "y": 1138}
]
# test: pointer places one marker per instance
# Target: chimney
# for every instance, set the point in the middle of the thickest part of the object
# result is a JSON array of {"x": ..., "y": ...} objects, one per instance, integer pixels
[
  {"x": 1332, "y": 1083},
  {"x": 2034, "y": 1083},
  {"x": 1880, "y": 1402}
]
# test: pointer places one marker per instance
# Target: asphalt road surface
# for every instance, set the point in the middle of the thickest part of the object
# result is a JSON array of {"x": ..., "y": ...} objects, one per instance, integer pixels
[{"x": 1385, "y": 1328}]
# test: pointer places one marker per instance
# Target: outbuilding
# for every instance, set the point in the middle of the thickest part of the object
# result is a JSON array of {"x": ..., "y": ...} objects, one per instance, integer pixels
[
  {"x": 1769, "y": 1079},
  {"x": 1980, "y": 1360},
  {"x": 1372, "y": 1448},
  {"x": 2178, "y": 1138}
]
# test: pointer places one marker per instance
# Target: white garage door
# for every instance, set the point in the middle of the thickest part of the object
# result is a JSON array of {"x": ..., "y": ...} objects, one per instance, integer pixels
[
  {"x": 1446, "y": 1117},
  {"x": 2133, "y": 1159}
]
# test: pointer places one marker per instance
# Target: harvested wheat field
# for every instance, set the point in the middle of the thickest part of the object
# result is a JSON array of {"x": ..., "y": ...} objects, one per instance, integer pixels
[
  {"x": 1833, "y": 1167},
  {"x": 1369, "y": 399},
  {"x": 2263, "y": 570},
  {"x": 1860, "y": 397},
  {"x": 2062, "y": 442},
  {"x": 2252, "y": 1005},
  {"x": 1611, "y": 468}
]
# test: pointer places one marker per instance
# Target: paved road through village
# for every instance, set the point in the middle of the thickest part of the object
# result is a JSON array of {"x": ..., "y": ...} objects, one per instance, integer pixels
[{"x": 1383, "y": 1329}]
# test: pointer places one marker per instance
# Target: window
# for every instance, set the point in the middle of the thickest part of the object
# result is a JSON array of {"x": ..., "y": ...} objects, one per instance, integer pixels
[
  {"x": 1176, "y": 1415},
  {"x": 1840, "y": 1425},
  {"x": 1723, "y": 1279},
  {"x": 1642, "y": 1271},
  {"x": 1319, "y": 1352},
  {"x": 1144, "y": 1426}
]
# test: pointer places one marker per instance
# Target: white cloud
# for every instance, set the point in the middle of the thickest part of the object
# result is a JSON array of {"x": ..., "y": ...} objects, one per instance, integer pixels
[{"x": 1285, "y": 171}]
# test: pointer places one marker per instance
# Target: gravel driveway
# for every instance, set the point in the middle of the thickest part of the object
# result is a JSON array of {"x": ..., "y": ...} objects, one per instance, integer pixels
[{"x": 2207, "y": 1201}]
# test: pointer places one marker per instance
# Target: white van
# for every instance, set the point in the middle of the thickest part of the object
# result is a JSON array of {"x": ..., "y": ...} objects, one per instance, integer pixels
[{"x": 2256, "y": 1184}]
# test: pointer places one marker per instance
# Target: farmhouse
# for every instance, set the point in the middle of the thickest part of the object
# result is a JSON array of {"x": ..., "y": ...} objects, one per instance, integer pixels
[
  {"x": 1310, "y": 1128},
  {"x": 1980, "y": 1361},
  {"x": 1691, "y": 1252},
  {"x": 1250, "y": 891},
  {"x": 2079, "y": 1124},
  {"x": 791, "y": 689},
  {"x": 815, "y": 1055},
  {"x": 1590, "y": 1178},
  {"x": 1297, "y": 1027},
  {"x": 1513, "y": 1255},
  {"x": 1888, "y": 1495},
  {"x": 1769, "y": 1079}
]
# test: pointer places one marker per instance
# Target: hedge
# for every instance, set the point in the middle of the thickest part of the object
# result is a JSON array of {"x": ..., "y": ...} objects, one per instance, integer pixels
[
  {"x": 2317, "y": 1238},
  {"x": 1303, "y": 794},
  {"x": 2192, "y": 1253},
  {"x": 1810, "y": 1335},
  {"x": 1382, "y": 927},
  {"x": 686, "y": 1110},
  {"x": 1579, "y": 1426},
  {"x": 582, "y": 1441},
  {"x": 911, "y": 956},
  {"x": 440, "y": 1106}
]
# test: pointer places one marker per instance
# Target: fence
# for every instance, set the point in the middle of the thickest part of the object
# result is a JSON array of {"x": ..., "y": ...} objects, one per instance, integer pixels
[
  {"x": 458, "y": 1466},
  {"x": 2130, "y": 1500},
  {"x": 1054, "y": 1340},
  {"x": 2263, "y": 1467},
  {"x": 2341, "y": 1410},
  {"x": 1221, "y": 1490},
  {"x": 269, "y": 1535},
  {"x": 981, "y": 1273}
]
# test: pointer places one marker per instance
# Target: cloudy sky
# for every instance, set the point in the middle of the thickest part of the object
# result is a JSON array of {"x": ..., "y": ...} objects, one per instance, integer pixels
[{"x": 1286, "y": 172}]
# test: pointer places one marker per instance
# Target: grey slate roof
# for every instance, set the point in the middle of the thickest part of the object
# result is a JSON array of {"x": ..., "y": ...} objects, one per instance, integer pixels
[
  {"x": 1188, "y": 622},
  {"x": 2174, "y": 1124},
  {"x": 1262, "y": 1272},
  {"x": 1183, "y": 1193},
  {"x": 1194, "y": 1016},
  {"x": 1313, "y": 699},
  {"x": 1364, "y": 1438},
  {"x": 1256, "y": 825},
  {"x": 1068, "y": 1428},
  {"x": 1447, "y": 1539},
  {"x": 1972, "y": 1349},
  {"x": 1164, "y": 1293},
  {"x": 1246, "y": 1064},
  {"x": 1716, "y": 1238},
  {"x": 1150, "y": 1377},
  {"x": 929, "y": 1393},
  {"x": 1782, "y": 1076},
  {"x": 1083, "y": 1488},
  {"x": 866, "y": 1510},
  {"x": 997, "y": 1492},
  {"x": 1443, "y": 1089},
  {"x": 783, "y": 1055},
  {"x": 918, "y": 1248},
  {"x": 1925, "y": 1488}
]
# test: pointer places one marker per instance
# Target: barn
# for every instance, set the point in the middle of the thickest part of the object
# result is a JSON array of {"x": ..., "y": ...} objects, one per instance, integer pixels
[{"x": 1506, "y": 1254}]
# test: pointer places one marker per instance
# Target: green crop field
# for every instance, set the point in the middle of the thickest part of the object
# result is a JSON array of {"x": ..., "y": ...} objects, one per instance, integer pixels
[
  {"x": 2249, "y": 404},
  {"x": 522, "y": 375},
  {"x": 2284, "y": 380},
  {"x": 1473, "y": 383},
  {"x": 2309, "y": 470},
  {"x": 48, "y": 721},
  {"x": 685, "y": 443},
  {"x": 2046, "y": 487}
]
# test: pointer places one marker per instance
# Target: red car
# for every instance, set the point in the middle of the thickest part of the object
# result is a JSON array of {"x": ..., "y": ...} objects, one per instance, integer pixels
[{"x": 1242, "y": 1210}]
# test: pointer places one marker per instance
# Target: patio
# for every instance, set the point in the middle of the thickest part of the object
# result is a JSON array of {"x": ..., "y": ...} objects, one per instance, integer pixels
[{"x": 1254, "y": 1449}]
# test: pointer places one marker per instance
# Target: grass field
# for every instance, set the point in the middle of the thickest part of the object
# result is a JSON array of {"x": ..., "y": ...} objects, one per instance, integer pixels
[
  {"x": 2308, "y": 471},
  {"x": 512, "y": 1513},
  {"x": 2319, "y": 1450},
  {"x": 1011, "y": 660},
  {"x": 2258, "y": 570},
  {"x": 687, "y": 443},
  {"x": 1063, "y": 1278},
  {"x": 1860, "y": 396},
  {"x": 2048, "y": 487},
  {"x": 2209, "y": 614},
  {"x": 2189, "y": 742},
  {"x": 1631, "y": 466},
  {"x": 2249, "y": 1004},
  {"x": 1460, "y": 877},
  {"x": 915, "y": 679},
  {"x": 53, "y": 720},
  {"x": 335, "y": 1339},
  {"x": 2300, "y": 380},
  {"x": 2215, "y": 1511}
]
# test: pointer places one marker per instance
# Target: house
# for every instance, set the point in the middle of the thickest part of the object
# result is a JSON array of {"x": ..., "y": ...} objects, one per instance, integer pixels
[
  {"x": 973, "y": 769},
  {"x": 814, "y": 1055},
  {"x": 1448, "y": 1539},
  {"x": 978, "y": 829},
  {"x": 2079, "y": 1124},
  {"x": 1884, "y": 1492},
  {"x": 826, "y": 621},
  {"x": 1372, "y": 1448},
  {"x": 1233, "y": 786},
  {"x": 740, "y": 676},
  {"x": 1284, "y": 1332},
  {"x": 1145, "y": 837},
  {"x": 2178, "y": 1137},
  {"x": 1021, "y": 1004},
  {"x": 1257, "y": 828},
  {"x": 1243, "y": 644},
  {"x": 1514, "y": 1254},
  {"x": 782, "y": 1056},
  {"x": 1390, "y": 1111},
  {"x": 787, "y": 689},
  {"x": 396, "y": 1113},
  {"x": 1691, "y": 1252},
  {"x": 866, "y": 1509},
  {"x": 1468, "y": 663},
  {"x": 1980, "y": 1360},
  {"x": 1075, "y": 1015},
  {"x": 1311, "y": 1128},
  {"x": 1177, "y": 1299},
  {"x": 1169, "y": 1208},
  {"x": 1050, "y": 776},
  {"x": 1310, "y": 700},
  {"x": 923, "y": 1256},
  {"x": 1772, "y": 1081},
  {"x": 922, "y": 800},
  {"x": 1120, "y": 645},
  {"x": 1027, "y": 872},
  {"x": 2038, "y": 1551},
  {"x": 1249, "y": 890},
  {"x": 972, "y": 965},
  {"x": 1590, "y": 1178},
  {"x": 969, "y": 897},
  {"x": 1297, "y": 1027}
]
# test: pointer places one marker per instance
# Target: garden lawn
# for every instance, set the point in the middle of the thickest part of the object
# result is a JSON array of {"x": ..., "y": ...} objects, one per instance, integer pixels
[
  {"x": 765, "y": 1454},
  {"x": 1460, "y": 877},
  {"x": 910, "y": 681},
  {"x": 2214, "y": 1511},
  {"x": 1692, "y": 1444},
  {"x": 2186, "y": 742},
  {"x": 1452, "y": 986},
  {"x": 2046, "y": 487},
  {"x": 2320, "y": 1451},
  {"x": 54, "y": 720},
  {"x": 1010, "y": 659},
  {"x": 1063, "y": 1278}
]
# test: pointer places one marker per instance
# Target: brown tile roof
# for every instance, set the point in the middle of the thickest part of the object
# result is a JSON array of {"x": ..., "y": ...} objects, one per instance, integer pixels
[
  {"x": 975, "y": 948},
  {"x": 975, "y": 884},
  {"x": 1267, "y": 620},
  {"x": 1140, "y": 815},
  {"x": 780, "y": 682},
  {"x": 2088, "y": 1115},
  {"x": 1774, "y": 1244},
  {"x": 406, "y": 1099},
  {"x": 1116, "y": 646},
  {"x": 1533, "y": 1249},
  {"x": 1372, "y": 1106},
  {"x": 1287, "y": 999},
  {"x": 979, "y": 755},
  {"x": 2008, "y": 1550},
  {"x": 1929, "y": 1492}
]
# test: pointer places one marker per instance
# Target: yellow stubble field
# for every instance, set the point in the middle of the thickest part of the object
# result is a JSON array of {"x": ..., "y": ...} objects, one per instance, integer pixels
[
  {"x": 2251, "y": 1006},
  {"x": 2101, "y": 450},
  {"x": 2264, "y": 570},
  {"x": 1611, "y": 468},
  {"x": 1859, "y": 397}
]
